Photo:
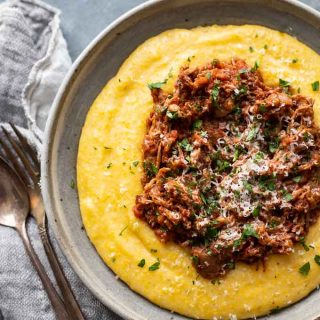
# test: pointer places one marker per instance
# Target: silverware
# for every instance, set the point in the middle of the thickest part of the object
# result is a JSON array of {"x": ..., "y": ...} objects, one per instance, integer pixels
[
  {"x": 28, "y": 169},
  {"x": 14, "y": 209}
]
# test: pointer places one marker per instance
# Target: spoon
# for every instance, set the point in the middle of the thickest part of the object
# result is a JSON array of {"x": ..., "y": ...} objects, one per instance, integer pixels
[{"x": 14, "y": 209}]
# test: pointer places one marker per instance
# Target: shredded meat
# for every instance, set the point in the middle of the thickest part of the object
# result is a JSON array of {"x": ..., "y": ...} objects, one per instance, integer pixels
[{"x": 230, "y": 166}]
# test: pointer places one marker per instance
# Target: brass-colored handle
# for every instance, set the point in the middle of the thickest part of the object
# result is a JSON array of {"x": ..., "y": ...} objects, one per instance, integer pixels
[
  {"x": 69, "y": 299},
  {"x": 53, "y": 296}
]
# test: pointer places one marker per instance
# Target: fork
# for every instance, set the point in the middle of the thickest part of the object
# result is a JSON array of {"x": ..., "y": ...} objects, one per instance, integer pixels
[{"x": 28, "y": 168}]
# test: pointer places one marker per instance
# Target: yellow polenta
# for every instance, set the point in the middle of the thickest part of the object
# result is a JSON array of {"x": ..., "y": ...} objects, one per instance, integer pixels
[{"x": 109, "y": 176}]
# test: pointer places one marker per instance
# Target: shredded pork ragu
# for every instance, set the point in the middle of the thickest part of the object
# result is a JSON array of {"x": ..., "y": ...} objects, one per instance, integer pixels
[{"x": 230, "y": 166}]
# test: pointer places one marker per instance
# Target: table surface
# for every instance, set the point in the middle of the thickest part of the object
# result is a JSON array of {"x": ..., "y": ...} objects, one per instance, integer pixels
[{"x": 82, "y": 20}]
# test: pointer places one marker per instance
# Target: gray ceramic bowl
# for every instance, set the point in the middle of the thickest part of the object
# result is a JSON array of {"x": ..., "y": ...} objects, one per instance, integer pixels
[{"x": 95, "y": 66}]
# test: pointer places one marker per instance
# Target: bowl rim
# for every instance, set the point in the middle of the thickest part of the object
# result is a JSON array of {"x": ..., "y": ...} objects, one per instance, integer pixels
[{"x": 57, "y": 107}]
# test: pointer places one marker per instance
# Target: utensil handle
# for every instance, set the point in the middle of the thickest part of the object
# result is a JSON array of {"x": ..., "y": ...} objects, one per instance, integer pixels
[
  {"x": 68, "y": 297},
  {"x": 53, "y": 296}
]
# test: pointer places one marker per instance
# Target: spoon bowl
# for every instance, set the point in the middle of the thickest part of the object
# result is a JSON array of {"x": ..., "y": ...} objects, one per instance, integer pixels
[{"x": 14, "y": 201}]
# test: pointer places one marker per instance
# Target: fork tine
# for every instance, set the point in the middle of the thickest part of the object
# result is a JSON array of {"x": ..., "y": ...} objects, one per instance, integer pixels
[
  {"x": 9, "y": 155},
  {"x": 32, "y": 173},
  {"x": 25, "y": 144}
]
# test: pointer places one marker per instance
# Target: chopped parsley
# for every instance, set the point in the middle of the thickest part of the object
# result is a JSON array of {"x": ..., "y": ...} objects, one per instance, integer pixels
[
  {"x": 72, "y": 184},
  {"x": 150, "y": 168},
  {"x": 315, "y": 86},
  {"x": 295, "y": 60},
  {"x": 142, "y": 263},
  {"x": 157, "y": 85},
  {"x": 212, "y": 232},
  {"x": 284, "y": 83},
  {"x": 243, "y": 71},
  {"x": 222, "y": 165},
  {"x": 172, "y": 115},
  {"x": 252, "y": 133},
  {"x": 267, "y": 183},
  {"x": 249, "y": 231},
  {"x": 248, "y": 186},
  {"x": 153, "y": 250},
  {"x": 256, "y": 211},
  {"x": 251, "y": 49},
  {"x": 107, "y": 148},
  {"x": 109, "y": 165},
  {"x": 304, "y": 245},
  {"x": 215, "y": 95},
  {"x": 215, "y": 62},
  {"x": 135, "y": 163},
  {"x": 262, "y": 108},
  {"x": 256, "y": 66},
  {"x": 265, "y": 47},
  {"x": 208, "y": 75},
  {"x": 317, "y": 259},
  {"x": 185, "y": 145},
  {"x": 274, "y": 145},
  {"x": 195, "y": 259},
  {"x": 304, "y": 270},
  {"x": 275, "y": 310},
  {"x": 287, "y": 195},
  {"x": 197, "y": 124},
  {"x": 155, "y": 266},
  {"x": 297, "y": 179},
  {"x": 273, "y": 224},
  {"x": 204, "y": 134}
]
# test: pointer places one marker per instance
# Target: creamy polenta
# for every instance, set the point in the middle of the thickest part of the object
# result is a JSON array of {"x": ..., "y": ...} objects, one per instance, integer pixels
[{"x": 109, "y": 173}]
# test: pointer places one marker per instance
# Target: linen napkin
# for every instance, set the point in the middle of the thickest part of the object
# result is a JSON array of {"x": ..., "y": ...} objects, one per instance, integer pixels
[{"x": 33, "y": 61}]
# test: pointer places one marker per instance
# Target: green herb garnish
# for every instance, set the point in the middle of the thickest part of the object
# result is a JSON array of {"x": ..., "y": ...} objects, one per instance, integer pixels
[
  {"x": 150, "y": 168},
  {"x": 185, "y": 145},
  {"x": 135, "y": 163},
  {"x": 208, "y": 75},
  {"x": 297, "y": 179},
  {"x": 215, "y": 95},
  {"x": 248, "y": 186},
  {"x": 287, "y": 196},
  {"x": 249, "y": 231},
  {"x": 212, "y": 232},
  {"x": 197, "y": 124},
  {"x": 274, "y": 145},
  {"x": 142, "y": 263},
  {"x": 155, "y": 266},
  {"x": 222, "y": 165},
  {"x": 304, "y": 245},
  {"x": 172, "y": 115},
  {"x": 157, "y": 85},
  {"x": 317, "y": 259},
  {"x": 284, "y": 83},
  {"x": 256, "y": 66},
  {"x": 252, "y": 134},
  {"x": 315, "y": 86},
  {"x": 262, "y": 108},
  {"x": 304, "y": 270},
  {"x": 256, "y": 211}
]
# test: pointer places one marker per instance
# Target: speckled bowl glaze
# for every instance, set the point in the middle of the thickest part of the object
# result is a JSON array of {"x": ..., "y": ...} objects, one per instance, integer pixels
[{"x": 96, "y": 65}]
